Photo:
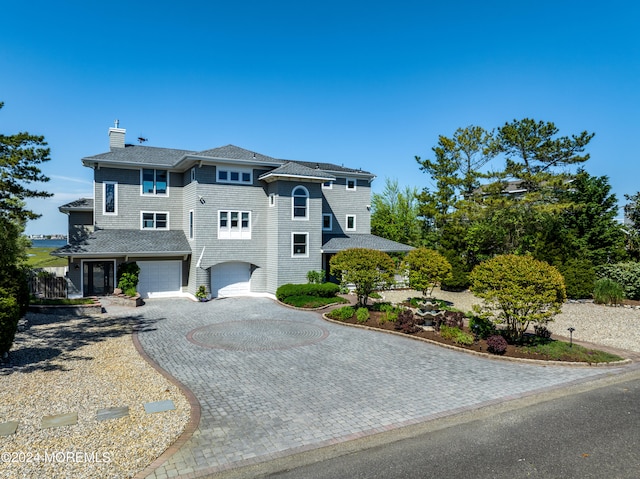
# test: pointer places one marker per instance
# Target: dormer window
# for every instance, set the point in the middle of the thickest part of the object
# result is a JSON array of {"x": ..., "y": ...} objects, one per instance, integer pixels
[
  {"x": 154, "y": 182},
  {"x": 351, "y": 184}
]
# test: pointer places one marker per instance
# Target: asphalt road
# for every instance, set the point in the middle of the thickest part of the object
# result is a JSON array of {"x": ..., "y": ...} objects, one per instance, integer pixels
[{"x": 592, "y": 431}]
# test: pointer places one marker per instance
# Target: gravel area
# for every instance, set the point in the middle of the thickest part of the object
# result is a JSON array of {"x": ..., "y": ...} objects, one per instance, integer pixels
[
  {"x": 617, "y": 327},
  {"x": 81, "y": 364}
]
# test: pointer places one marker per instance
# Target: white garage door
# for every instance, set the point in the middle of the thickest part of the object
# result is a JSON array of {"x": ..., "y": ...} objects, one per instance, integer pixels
[
  {"x": 231, "y": 279},
  {"x": 159, "y": 278}
]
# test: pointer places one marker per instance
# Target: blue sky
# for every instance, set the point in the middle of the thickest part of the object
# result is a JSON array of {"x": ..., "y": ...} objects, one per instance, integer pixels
[{"x": 364, "y": 84}]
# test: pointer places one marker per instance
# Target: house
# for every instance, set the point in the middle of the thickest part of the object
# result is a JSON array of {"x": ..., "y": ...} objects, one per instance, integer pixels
[{"x": 233, "y": 220}]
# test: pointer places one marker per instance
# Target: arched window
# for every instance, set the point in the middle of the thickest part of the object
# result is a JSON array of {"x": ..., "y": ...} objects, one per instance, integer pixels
[{"x": 300, "y": 203}]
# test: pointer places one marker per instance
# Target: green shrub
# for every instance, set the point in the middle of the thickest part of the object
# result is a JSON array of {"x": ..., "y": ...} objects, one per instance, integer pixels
[
  {"x": 15, "y": 281},
  {"x": 323, "y": 290},
  {"x": 625, "y": 274},
  {"x": 518, "y": 290},
  {"x": 127, "y": 276},
  {"x": 390, "y": 312},
  {"x": 426, "y": 269},
  {"x": 456, "y": 335},
  {"x": 131, "y": 292},
  {"x": 362, "y": 315},
  {"x": 482, "y": 327},
  {"x": 579, "y": 278},
  {"x": 342, "y": 314},
  {"x": 315, "y": 277},
  {"x": 367, "y": 269},
  {"x": 457, "y": 281},
  {"x": 608, "y": 291},
  {"x": 9, "y": 317}
]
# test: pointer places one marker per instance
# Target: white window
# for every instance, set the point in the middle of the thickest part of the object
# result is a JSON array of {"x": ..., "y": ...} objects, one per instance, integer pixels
[
  {"x": 272, "y": 199},
  {"x": 299, "y": 245},
  {"x": 191, "y": 225},
  {"x": 351, "y": 184},
  {"x": 234, "y": 225},
  {"x": 110, "y": 196},
  {"x": 351, "y": 222},
  {"x": 235, "y": 175},
  {"x": 327, "y": 221},
  {"x": 300, "y": 203},
  {"x": 327, "y": 185},
  {"x": 154, "y": 182},
  {"x": 153, "y": 220}
]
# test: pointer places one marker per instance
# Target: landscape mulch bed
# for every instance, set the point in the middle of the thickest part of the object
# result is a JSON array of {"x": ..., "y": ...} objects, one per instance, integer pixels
[{"x": 480, "y": 345}]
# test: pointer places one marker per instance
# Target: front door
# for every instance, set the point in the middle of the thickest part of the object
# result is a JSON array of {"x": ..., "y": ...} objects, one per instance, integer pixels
[{"x": 97, "y": 278}]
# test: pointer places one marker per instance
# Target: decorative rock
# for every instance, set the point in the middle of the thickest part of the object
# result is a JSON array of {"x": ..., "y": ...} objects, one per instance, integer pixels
[
  {"x": 158, "y": 406},
  {"x": 112, "y": 413},
  {"x": 59, "y": 420},
  {"x": 8, "y": 428}
]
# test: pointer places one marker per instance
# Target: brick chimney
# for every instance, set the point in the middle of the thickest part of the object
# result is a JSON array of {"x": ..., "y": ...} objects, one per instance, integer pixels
[{"x": 116, "y": 136}]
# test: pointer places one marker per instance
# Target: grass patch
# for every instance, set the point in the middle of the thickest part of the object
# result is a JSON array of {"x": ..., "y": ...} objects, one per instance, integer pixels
[
  {"x": 61, "y": 301},
  {"x": 40, "y": 258},
  {"x": 312, "y": 301},
  {"x": 561, "y": 351}
]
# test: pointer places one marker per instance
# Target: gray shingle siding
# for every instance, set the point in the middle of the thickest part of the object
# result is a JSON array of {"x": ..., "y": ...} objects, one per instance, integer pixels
[
  {"x": 342, "y": 202},
  {"x": 268, "y": 250},
  {"x": 130, "y": 201}
]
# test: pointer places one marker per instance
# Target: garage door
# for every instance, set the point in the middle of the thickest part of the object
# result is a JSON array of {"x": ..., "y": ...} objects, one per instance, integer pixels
[
  {"x": 159, "y": 278},
  {"x": 231, "y": 279}
]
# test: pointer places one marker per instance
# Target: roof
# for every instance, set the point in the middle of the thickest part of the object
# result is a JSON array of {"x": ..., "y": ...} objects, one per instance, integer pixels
[
  {"x": 143, "y": 155},
  {"x": 83, "y": 204},
  {"x": 334, "y": 168},
  {"x": 121, "y": 242},
  {"x": 232, "y": 152},
  {"x": 296, "y": 170},
  {"x": 336, "y": 243},
  {"x": 137, "y": 155}
]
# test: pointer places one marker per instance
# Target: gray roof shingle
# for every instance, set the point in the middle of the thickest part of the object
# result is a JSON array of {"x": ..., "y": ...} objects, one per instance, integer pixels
[
  {"x": 336, "y": 243},
  {"x": 129, "y": 242},
  {"x": 232, "y": 152},
  {"x": 144, "y": 155},
  {"x": 296, "y": 169},
  {"x": 83, "y": 204}
]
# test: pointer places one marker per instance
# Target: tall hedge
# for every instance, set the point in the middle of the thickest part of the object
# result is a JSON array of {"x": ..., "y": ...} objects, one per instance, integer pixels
[
  {"x": 9, "y": 317},
  {"x": 626, "y": 274}
]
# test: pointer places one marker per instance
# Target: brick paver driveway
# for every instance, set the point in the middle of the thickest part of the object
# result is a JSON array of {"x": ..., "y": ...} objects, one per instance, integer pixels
[{"x": 272, "y": 381}]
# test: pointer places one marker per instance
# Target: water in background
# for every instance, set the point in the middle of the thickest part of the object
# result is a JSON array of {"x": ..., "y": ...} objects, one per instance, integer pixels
[{"x": 48, "y": 243}]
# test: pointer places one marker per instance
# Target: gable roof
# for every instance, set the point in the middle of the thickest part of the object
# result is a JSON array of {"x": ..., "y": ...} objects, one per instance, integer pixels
[
  {"x": 297, "y": 171},
  {"x": 122, "y": 242},
  {"x": 232, "y": 152},
  {"x": 336, "y": 243}
]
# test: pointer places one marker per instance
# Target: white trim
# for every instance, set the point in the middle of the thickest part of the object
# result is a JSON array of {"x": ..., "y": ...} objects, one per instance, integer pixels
[
  {"x": 330, "y": 215},
  {"x": 192, "y": 224},
  {"x": 272, "y": 200},
  {"x": 115, "y": 198},
  {"x": 193, "y": 174},
  {"x": 346, "y": 225},
  {"x": 306, "y": 207},
  {"x": 330, "y": 187},
  {"x": 155, "y": 181},
  {"x": 155, "y": 220},
  {"x": 237, "y": 232},
  {"x": 355, "y": 184},
  {"x": 306, "y": 254}
]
